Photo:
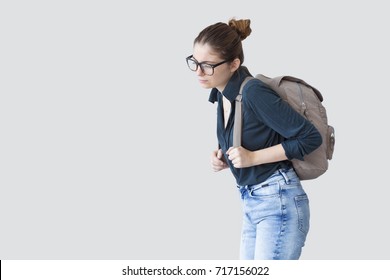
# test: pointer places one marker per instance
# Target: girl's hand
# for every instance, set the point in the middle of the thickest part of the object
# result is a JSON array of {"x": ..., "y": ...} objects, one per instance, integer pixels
[
  {"x": 240, "y": 157},
  {"x": 217, "y": 161}
]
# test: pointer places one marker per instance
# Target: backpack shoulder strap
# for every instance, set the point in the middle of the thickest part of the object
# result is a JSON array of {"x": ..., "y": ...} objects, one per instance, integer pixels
[{"x": 238, "y": 115}]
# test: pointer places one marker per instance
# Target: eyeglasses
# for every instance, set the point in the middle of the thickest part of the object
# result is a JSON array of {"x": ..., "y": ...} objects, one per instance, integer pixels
[{"x": 207, "y": 69}]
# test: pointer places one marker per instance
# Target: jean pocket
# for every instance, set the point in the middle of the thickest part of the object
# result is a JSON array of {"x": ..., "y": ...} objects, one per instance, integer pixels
[
  {"x": 265, "y": 190},
  {"x": 303, "y": 210}
]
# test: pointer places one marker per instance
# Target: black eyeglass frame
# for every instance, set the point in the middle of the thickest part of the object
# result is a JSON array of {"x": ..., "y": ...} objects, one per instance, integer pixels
[{"x": 199, "y": 64}]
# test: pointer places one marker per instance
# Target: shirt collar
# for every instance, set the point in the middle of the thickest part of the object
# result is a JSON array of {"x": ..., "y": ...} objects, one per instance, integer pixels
[{"x": 232, "y": 88}]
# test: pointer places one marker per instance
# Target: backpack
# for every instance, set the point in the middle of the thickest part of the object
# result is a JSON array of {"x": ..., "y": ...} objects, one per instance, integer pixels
[{"x": 306, "y": 100}]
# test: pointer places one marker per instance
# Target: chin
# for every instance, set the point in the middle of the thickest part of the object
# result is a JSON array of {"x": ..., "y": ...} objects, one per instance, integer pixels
[{"x": 205, "y": 84}]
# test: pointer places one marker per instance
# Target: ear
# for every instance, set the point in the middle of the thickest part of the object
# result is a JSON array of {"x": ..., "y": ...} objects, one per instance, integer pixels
[{"x": 234, "y": 65}]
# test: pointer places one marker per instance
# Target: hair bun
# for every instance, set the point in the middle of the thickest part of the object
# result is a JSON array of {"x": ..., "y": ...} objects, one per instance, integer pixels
[{"x": 241, "y": 26}]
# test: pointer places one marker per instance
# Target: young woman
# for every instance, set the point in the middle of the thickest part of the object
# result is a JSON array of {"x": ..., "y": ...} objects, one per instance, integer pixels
[{"x": 275, "y": 206}]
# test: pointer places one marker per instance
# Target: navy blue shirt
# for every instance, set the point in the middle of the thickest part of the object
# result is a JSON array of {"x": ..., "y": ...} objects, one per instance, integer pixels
[{"x": 267, "y": 121}]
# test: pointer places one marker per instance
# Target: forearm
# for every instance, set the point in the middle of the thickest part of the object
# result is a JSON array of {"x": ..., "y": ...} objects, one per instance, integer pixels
[
  {"x": 268, "y": 155},
  {"x": 241, "y": 157}
]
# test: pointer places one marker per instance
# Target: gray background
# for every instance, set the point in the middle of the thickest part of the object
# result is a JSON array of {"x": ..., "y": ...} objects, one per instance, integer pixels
[{"x": 105, "y": 135}]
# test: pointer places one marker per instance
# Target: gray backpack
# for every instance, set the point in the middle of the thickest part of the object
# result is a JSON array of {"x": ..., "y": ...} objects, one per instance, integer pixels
[{"x": 307, "y": 100}]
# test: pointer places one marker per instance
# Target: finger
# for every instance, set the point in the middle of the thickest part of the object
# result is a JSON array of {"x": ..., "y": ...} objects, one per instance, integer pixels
[
  {"x": 217, "y": 168},
  {"x": 214, "y": 155},
  {"x": 219, "y": 154},
  {"x": 230, "y": 150},
  {"x": 233, "y": 154},
  {"x": 215, "y": 158},
  {"x": 216, "y": 162}
]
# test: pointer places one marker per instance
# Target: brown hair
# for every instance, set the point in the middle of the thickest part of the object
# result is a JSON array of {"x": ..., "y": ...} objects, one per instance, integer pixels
[{"x": 226, "y": 39}]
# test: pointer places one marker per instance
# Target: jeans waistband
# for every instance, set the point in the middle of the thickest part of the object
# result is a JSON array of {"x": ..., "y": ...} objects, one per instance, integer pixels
[{"x": 285, "y": 173}]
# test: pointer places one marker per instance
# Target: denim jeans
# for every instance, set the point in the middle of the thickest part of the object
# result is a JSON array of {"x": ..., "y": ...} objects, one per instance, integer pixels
[{"x": 276, "y": 218}]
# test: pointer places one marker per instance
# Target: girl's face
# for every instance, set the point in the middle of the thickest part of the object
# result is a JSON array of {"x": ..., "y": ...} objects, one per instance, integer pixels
[{"x": 203, "y": 53}]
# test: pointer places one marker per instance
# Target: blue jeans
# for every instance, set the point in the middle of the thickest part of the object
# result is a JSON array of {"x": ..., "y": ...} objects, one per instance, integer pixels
[{"x": 276, "y": 218}]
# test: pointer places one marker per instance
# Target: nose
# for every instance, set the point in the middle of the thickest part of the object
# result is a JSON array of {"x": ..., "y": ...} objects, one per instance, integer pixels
[{"x": 199, "y": 71}]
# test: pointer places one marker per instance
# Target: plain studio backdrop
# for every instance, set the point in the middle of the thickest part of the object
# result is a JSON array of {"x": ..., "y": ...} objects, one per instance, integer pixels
[{"x": 105, "y": 135}]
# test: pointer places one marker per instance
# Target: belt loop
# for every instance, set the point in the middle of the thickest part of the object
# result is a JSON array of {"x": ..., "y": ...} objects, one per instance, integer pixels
[{"x": 284, "y": 174}]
